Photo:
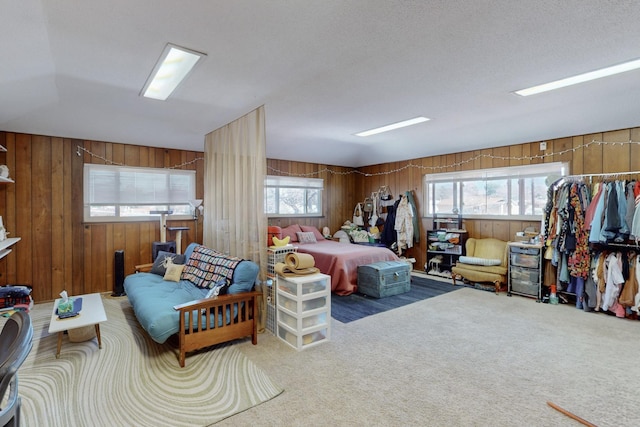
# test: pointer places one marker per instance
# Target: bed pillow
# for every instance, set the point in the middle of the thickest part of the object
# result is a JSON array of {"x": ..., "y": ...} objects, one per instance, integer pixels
[
  {"x": 291, "y": 232},
  {"x": 314, "y": 230},
  {"x": 160, "y": 264},
  {"x": 479, "y": 261},
  {"x": 306, "y": 237}
]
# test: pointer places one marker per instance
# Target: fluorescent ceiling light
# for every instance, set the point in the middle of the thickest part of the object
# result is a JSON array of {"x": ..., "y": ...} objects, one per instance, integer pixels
[
  {"x": 174, "y": 65},
  {"x": 581, "y": 78},
  {"x": 393, "y": 126}
]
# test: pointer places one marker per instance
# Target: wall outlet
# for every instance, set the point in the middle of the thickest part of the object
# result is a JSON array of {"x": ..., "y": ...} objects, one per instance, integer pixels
[{"x": 543, "y": 145}]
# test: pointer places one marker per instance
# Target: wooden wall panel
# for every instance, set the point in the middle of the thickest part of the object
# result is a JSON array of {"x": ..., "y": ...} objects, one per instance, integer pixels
[
  {"x": 58, "y": 251},
  {"x": 41, "y": 202},
  {"x": 593, "y": 159}
]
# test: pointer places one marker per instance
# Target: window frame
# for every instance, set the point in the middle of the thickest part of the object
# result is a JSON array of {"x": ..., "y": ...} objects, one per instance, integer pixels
[
  {"x": 292, "y": 182},
  {"x": 515, "y": 175},
  {"x": 167, "y": 202}
]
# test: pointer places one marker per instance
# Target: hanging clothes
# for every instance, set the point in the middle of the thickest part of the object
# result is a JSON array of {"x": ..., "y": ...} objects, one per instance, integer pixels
[
  {"x": 416, "y": 227},
  {"x": 404, "y": 225},
  {"x": 389, "y": 236}
]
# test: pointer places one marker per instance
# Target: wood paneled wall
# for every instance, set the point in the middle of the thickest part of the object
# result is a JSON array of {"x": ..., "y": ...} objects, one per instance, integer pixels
[
  {"x": 59, "y": 251},
  {"x": 338, "y": 194},
  {"x": 44, "y": 207},
  {"x": 592, "y": 159}
]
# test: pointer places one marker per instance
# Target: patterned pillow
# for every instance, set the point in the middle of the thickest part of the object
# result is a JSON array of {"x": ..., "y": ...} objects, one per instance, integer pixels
[
  {"x": 162, "y": 260},
  {"x": 306, "y": 237},
  {"x": 205, "y": 267},
  {"x": 315, "y": 231}
]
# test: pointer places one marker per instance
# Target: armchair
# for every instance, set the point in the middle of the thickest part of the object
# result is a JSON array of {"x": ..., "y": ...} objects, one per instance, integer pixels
[{"x": 486, "y": 260}]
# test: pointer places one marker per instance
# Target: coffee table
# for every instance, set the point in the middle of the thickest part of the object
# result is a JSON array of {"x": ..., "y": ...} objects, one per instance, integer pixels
[{"x": 92, "y": 313}]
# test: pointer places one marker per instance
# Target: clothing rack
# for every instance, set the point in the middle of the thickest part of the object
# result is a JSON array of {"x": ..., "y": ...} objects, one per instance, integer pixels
[{"x": 594, "y": 175}]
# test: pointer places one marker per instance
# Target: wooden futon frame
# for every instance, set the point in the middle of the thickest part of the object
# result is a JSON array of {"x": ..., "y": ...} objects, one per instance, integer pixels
[{"x": 194, "y": 335}]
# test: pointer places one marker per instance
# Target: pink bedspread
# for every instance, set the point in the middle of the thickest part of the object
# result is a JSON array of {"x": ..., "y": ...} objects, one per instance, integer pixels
[{"x": 341, "y": 261}]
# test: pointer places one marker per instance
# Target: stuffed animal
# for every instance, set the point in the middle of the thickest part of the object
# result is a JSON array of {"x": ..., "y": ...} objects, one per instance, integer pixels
[{"x": 281, "y": 242}]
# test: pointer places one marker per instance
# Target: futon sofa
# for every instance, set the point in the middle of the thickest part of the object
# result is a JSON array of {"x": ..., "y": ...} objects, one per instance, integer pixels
[
  {"x": 185, "y": 305},
  {"x": 485, "y": 260}
]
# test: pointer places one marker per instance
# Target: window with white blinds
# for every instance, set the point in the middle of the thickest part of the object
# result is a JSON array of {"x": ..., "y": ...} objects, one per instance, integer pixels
[
  {"x": 122, "y": 193},
  {"x": 292, "y": 196}
]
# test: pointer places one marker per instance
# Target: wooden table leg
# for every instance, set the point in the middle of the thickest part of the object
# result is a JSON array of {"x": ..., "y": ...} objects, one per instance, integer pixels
[
  {"x": 98, "y": 335},
  {"x": 59, "y": 344}
]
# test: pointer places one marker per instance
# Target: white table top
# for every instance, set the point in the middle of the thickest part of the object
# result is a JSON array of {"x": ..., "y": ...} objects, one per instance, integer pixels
[{"x": 92, "y": 313}]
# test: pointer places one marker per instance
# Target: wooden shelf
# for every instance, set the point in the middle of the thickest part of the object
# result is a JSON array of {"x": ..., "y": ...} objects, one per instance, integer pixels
[{"x": 6, "y": 244}]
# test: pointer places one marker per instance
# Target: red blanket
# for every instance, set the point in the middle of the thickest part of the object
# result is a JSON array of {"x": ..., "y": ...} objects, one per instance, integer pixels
[{"x": 341, "y": 261}]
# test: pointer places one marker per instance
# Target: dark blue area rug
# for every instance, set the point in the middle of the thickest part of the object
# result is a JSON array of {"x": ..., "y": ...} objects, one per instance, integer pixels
[{"x": 352, "y": 307}]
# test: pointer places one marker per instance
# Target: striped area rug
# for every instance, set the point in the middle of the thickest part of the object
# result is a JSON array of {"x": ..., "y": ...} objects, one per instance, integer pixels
[{"x": 133, "y": 381}]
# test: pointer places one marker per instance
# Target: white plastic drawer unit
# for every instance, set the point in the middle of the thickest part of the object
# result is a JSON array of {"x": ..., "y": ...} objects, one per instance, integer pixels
[{"x": 304, "y": 310}]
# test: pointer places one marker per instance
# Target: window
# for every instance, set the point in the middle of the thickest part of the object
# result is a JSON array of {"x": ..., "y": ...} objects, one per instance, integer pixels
[
  {"x": 122, "y": 193},
  {"x": 293, "y": 196},
  {"x": 517, "y": 191}
]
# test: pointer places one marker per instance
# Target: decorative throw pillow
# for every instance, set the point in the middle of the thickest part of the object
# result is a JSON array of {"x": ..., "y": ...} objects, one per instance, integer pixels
[
  {"x": 315, "y": 231},
  {"x": 206, "y": 267},
  {"x": 306, "y": 237},
  {"x": 174, "y": 271},
  {"x": 479, "y": 261},
  {"x": 162, "y": 259}
]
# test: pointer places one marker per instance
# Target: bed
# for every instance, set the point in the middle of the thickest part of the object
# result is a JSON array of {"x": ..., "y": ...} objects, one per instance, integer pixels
[{"x": 339, "y": 260}]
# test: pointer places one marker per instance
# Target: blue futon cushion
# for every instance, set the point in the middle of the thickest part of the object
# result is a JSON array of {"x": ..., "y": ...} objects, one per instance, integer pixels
[{"x": 153, "y": 298}]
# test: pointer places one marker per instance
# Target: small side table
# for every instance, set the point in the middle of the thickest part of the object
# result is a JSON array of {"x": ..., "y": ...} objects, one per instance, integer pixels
[{"x": 92, "y": 313}]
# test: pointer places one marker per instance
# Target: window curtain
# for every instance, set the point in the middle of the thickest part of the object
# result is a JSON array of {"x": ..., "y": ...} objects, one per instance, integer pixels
[{"x": 235, "y": 170}]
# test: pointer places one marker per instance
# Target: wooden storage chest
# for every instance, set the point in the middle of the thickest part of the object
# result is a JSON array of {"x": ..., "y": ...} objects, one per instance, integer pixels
[{"x": 384, "y": 278}]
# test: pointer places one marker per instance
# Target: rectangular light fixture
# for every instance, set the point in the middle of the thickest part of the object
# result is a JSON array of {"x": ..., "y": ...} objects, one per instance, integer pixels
[
  {"x": 393, "y": 126},
  {"x": 581, "y": 78},
  {"x": 172, "y": 67}
]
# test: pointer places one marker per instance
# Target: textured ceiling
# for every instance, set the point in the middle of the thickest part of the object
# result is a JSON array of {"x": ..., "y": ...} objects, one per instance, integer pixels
[{"x": 324, "y": 70}]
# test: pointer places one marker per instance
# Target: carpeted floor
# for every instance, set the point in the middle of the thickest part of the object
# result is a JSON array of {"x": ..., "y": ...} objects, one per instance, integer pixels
[
  {"x": 465, "y": 358},
  {"x": 352, "y": 307},
  {"x": 132, "y": 380}
]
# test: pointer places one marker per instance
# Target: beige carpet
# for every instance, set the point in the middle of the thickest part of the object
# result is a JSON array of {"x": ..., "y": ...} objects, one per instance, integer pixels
[
  {"x": 133, "y": 381},
  {"x": 466, "y": 358}
]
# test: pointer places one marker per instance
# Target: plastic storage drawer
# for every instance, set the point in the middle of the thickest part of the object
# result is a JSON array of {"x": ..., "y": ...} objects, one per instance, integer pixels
[
  {"x": 522, "y": 260},
  {"x": 305, "y": 288},
  {"x": 307, "y": 322},
  {"x": 525, "y": 287},
  {"x": 299, "y": 342},
  {"x": 524, "y": 274},
  {"x": 307, "y": 305}
]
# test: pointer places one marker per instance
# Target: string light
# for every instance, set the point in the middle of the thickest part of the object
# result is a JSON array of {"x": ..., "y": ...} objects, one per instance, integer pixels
[
  {"x": 442, "y": 168},
  {"x": 400, "y": 169},
  {"x": 111, "y": 162}
]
